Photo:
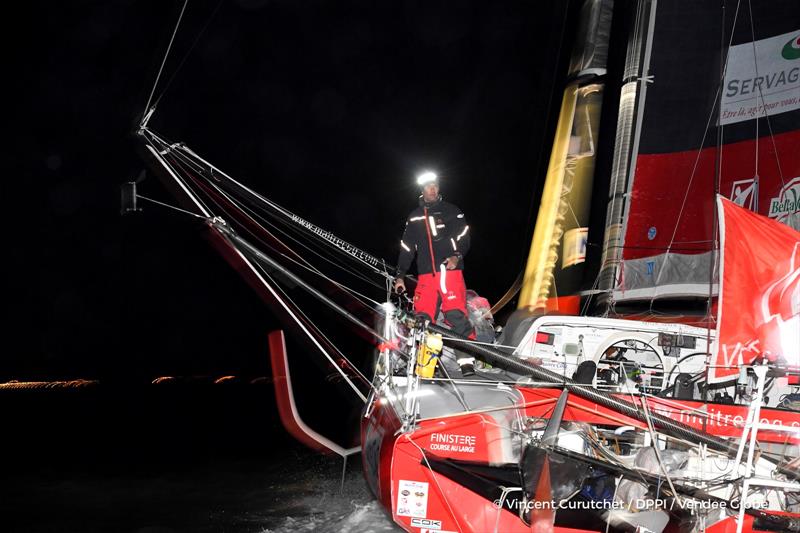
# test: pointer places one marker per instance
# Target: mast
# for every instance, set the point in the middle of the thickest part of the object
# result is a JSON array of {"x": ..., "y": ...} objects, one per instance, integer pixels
[
  {"x": 715, "y": 192},
  {"x": 629, "y": 128}
]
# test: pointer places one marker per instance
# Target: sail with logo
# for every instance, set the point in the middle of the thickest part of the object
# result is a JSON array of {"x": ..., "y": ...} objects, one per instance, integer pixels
[
  {"x": 709, "y": 111},
  {"x": 759, "y": 312}
]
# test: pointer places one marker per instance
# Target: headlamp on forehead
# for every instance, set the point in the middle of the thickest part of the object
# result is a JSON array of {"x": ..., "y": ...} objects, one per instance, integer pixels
[{"x": 426, "y": 178}]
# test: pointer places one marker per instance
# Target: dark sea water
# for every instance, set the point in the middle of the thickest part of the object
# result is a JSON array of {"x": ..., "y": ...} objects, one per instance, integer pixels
[{"x": 169, "y": 459}]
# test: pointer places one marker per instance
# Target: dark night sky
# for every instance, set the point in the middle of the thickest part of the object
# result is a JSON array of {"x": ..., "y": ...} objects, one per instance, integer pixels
[{"x": 329, "y": 108}]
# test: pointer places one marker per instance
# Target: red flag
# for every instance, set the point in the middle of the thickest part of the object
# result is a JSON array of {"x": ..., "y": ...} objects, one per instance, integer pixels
[{"x": 759, "y": 307}]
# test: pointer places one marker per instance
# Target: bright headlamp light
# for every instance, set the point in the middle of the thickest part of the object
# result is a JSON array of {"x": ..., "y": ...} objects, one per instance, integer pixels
[{"x": 427, "y": 177}]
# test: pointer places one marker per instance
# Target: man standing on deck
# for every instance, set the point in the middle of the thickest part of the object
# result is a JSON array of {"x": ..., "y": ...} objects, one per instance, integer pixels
[{"x": 437, "y": 233}]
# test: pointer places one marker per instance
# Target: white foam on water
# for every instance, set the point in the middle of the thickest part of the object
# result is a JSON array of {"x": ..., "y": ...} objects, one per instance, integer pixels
[
  {"x": 303, "y": 492},
  {"x": 338, "y": 518},
  {"x": 368, "y": 518}
]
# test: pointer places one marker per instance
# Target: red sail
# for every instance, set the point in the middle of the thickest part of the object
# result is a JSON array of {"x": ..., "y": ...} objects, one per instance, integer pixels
[{"x": 759, "y": 308}]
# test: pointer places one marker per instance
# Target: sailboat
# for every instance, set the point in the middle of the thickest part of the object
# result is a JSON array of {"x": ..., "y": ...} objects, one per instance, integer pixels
[{"x": 574, "y": 422}]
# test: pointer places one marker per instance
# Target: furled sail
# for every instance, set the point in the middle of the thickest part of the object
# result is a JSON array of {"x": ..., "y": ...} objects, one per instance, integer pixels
[{"x": 555, "y": 266}]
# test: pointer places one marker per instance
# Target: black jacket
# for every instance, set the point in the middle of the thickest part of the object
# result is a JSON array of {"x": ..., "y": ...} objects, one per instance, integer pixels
[{"x": 439, "y": 227}]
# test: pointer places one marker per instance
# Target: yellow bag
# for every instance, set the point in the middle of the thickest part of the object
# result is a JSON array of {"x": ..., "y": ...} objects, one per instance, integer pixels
[{"x": 428, "y": 355}]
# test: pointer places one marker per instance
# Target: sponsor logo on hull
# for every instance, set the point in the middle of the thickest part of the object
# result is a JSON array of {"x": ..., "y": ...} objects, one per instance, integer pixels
[
  {"x": 412, "y": 498},
  {"x": 449, "y": 442},
  {"x": 426, "y": 523}
]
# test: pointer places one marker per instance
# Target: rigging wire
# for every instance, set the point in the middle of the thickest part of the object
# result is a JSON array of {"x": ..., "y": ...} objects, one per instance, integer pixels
[
  {"x": 326, "y": 236},
  {"x": 308, "y": 248},
  {"x": 594, "y": 286},
  {"x": 188, "y": 52},
  {"x": 170, "y": 167},
  {"x": 163, "y": 62},
  {"x": 336, "y": 283},
  {"x": 201, "y": 217},
  {"x": 714, "y": 108},
  {"x": 316, "y": 341},
  {"x": 251, "y": 215},
  {"x": 713, "y": 256},
  {"x": 308, "y": 326},
  {"x": 303, "y": 231},
  {"x": 312, "y": 325},
  {"x": 188, "y": 175},
  {"x": 658, "y": 453},
  {"x": 764, "y": 106},
  {"x": 254, "y": 215},
  {"x": 220, "y": 206},
  {"x": 182, "y": 169},
  {"x": 343, "y": 287},
  {"x": 231, "y": 235},
  {"x": 360, "y": 297},
  {"x": 291, "y": 221},
  {"x": 755, "y": 66}
]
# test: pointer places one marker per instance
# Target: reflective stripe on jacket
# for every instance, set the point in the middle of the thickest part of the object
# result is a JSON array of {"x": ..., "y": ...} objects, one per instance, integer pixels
[{"x": 438, "y": 228}]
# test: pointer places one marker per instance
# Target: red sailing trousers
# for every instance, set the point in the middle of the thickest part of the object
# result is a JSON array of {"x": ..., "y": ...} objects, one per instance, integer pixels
[{"x": 447, "y": 287}]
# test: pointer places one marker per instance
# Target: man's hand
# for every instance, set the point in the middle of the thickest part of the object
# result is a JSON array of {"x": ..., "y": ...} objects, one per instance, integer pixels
[
  {"x": 399, "y": 286},
  {"x": 452, "y": 262}
]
